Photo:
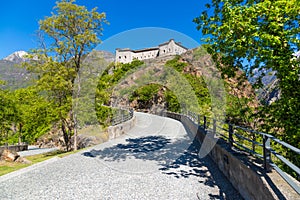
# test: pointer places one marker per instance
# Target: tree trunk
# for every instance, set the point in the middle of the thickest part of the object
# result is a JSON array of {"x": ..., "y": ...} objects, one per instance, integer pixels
[
  {"x": 20, "y": 133},
  {"x": 75, "y": 138},
  {"x": 14, "y": 128},
  {"x": 65, "y": 135},
  {"x": 76, "y": 97}
]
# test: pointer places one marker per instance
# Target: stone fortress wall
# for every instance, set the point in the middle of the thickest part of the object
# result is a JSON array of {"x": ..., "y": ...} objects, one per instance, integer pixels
[{"x": 168, "y": 48}]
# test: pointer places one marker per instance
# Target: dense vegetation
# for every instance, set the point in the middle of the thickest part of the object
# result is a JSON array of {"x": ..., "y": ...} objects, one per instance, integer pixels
[
  {"x": 25, "y": 115},
  {"x": 145, "y": 96},
  {"x": 238, "y": 106},
  {"x": 72, "y": 32},
  {"x": 197, "y": 83},
  {"x": 109, "y": 78},
  {"x": 257, "y": 35},
  {"x": 149, "y": 95}
]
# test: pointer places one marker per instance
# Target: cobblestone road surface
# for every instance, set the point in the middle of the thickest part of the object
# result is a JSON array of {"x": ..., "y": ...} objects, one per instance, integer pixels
[{"x": 155, "y": 160}]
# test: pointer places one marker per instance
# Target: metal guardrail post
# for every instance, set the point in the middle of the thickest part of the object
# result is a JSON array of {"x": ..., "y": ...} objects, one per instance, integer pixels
[
  {"x": 214, "y": 126},
  {"x": 230, "y": 138},
  {"x": 253, "y": 144},
  {"x": 204, "y": 122},
  {"x": 266, "y": 152}
]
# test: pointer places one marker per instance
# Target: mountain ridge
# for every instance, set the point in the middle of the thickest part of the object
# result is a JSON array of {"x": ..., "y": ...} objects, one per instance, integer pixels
[
  {"x": 15, "y": 76},
  {"x": 17, "y": 57}
]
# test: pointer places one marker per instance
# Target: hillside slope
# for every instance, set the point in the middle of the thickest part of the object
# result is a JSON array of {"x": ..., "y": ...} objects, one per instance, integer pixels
[
  {"x": 14, "y": 75},
  {"x": 148, "y": 86}
]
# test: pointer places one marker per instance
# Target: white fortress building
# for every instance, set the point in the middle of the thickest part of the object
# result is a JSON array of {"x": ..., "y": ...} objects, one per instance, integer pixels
[{"x": 168, "y": 48}]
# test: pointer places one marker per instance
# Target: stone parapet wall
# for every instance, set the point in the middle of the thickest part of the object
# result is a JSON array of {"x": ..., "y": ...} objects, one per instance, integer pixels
[
  {"x": 16, "y": 148},
  {"x": 120, "y": 129}
]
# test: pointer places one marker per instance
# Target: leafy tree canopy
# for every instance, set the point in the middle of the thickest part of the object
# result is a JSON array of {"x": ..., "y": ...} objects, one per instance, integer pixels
[
  {"x": 72, "y": 31},
  {"x": 256, "y": 35},
  {"x": 260, "y": 35}
]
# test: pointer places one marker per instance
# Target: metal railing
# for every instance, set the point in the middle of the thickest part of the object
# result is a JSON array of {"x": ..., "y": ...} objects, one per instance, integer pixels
[
  {"x": 258, "y": 144},
  {"x": 121, "y": 115}
]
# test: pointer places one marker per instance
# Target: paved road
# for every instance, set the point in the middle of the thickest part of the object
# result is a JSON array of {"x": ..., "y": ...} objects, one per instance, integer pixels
[
  {"x": 33, "y": 150},
  {"x": 156, "y": 160}
]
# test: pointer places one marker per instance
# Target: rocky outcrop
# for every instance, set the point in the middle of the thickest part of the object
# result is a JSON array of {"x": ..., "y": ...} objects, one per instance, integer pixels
[
  {"x": 55, "y": 139},
  {"x": 12, "y": 156},
  {"x": 269, "y": 93},
  {"x": 52, "y": 139},
  {"x": 9, "y": 155},
  {"x": 23, "y": 160},
  {"x": 199, "y": 64},
  {"x": 87, "y": 141}
]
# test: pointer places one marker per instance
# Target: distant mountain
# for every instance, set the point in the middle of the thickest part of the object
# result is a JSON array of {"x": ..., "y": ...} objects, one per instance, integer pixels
[
  {"x": 17, "y": 57},
  {"x": 107, "y": 56},
  {"x": 268, "y": 78},
  {"x": 269, "y": 91},
  {"x": 95, "y": 55},
  {"x": 12, "y": 72},
  {"x": 16, "y": 76}
]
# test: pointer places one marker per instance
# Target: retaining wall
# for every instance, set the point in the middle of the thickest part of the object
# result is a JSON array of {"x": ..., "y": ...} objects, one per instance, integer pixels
[
  {"x": 15, "y": 148},
  {"x": 120, "y": 129}
]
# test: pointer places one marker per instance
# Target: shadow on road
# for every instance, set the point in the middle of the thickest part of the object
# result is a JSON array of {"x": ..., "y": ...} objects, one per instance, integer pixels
[{"x": 177, "y": 158}]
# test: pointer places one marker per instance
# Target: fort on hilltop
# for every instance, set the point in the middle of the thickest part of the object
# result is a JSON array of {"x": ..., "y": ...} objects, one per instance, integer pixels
[{"x": 165, "y": 49}]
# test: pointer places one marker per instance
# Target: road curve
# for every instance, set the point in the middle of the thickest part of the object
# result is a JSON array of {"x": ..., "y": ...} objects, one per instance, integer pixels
[{"x": 157, "y": 159}]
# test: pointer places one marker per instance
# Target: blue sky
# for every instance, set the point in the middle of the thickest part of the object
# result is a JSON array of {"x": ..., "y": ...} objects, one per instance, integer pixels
[{"x": 19, "y": 21}]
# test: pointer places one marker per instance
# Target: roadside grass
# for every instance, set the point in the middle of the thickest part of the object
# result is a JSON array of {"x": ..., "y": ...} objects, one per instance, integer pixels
[
  {"x": 94, "y": 131},
  {"x": 7, "y": 167},
  {"x": 99, "y": 134}
]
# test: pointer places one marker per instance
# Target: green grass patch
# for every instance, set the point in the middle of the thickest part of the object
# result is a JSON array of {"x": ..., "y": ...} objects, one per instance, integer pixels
[{"x": 7, "y": 167}]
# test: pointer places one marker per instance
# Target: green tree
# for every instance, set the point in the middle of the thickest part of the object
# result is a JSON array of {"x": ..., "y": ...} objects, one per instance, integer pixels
[
  {"x": 105, "y": 86},
  {"x": 7, "y": 115},
  {"x": 73, "y": 31},
  {"x": 260, "y": 35},
  {"x": 33, "y": 116}
]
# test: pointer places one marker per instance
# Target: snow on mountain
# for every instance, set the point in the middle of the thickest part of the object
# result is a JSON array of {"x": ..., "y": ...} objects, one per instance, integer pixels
[
  {"x": 297, "y": 54},
  {"x": 17, "y": 57}
]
